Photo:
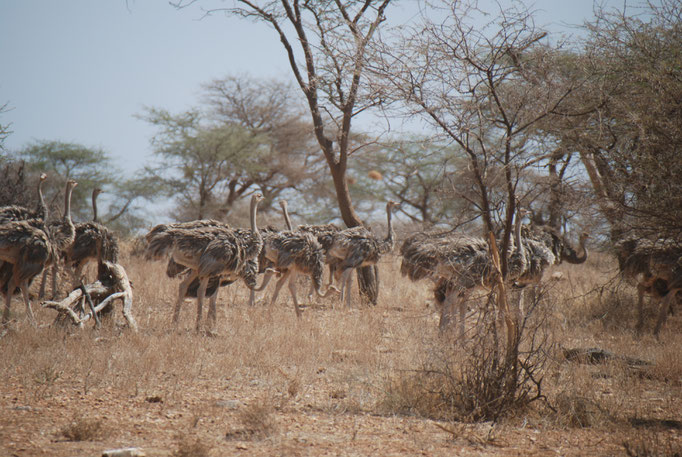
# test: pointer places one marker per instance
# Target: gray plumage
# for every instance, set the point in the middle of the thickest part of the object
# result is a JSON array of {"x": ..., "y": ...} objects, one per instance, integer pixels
[
  {"x": 324, "y": 233},
  {"x": 458, "y": 264},
  {"x": 357, "y": 247},
  {"x": 293, "y": 253},
  {"x": 62, "y": 232},
  {"x": 24, "y": 252},
  {"x": 93, "y": 242},
  {"x": 209, "y": 250}
]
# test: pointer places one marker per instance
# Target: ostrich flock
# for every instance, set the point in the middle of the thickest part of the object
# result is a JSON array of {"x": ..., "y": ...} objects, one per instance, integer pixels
[{"x": 208, "y": 254}]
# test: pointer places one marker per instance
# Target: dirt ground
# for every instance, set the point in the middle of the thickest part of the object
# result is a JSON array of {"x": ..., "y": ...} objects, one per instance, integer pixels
[{"x": 267, "y": 384}]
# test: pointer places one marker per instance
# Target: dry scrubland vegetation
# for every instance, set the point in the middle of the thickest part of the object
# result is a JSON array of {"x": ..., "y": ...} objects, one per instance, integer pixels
[{"x": 336, "y": 382}]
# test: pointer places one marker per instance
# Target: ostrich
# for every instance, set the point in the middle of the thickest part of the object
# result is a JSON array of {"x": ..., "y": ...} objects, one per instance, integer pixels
[
  {"x": 207, "y": 251},
  {"x": 357, "y": 247},
  {"x": 29, "y": 249},
  {"x": 19, "y": 213},
  {"x": 292, "y": 253},
  {"x": 656, "y": 267},
  {"x": 36, "y": 218},
  {"x": 162, "y": 234},
  {"x": 458, "y": 264},
  {"x": 227, "y": 256},
  {"x": 325, "y": 236},
  {"x": 545, "y": 247},
  {"x": 93, "y": 242},
  {"x": 62, "y": 233}
]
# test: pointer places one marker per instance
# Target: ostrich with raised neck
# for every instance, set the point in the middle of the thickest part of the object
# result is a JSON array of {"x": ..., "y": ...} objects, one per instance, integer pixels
[
  {"x": 357, "y": 247},
  {"x": 19, "y": 213}
]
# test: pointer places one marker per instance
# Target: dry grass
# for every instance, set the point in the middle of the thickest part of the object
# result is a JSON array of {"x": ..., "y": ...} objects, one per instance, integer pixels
[
  {"x": 187, "y": 446},
  {"x": 276, "y": 384},
  {"x": 82, "y": 428}
]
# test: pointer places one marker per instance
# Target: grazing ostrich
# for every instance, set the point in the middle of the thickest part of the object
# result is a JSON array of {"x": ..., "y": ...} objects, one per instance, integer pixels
[
  {"x": 93, "y": 242},
  {"x": 292, "y": 253},
  {"x": 19, "y": 213},
  {"x": 458, "y": 264},
  {"x": 325, "y": 236},
  {"x": 207, "y": 250},
  {"x": 656, "y": 266},
  {"x": 357, "y": 247}
]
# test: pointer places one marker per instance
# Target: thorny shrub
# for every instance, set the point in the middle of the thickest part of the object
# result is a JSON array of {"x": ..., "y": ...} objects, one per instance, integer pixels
[
  {"x": 479, "y": 379},
  {"x": 83, "y": 429}
]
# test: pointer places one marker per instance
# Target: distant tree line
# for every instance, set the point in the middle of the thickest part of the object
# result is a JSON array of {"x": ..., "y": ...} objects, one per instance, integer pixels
[{"x": 585, "y": 133}]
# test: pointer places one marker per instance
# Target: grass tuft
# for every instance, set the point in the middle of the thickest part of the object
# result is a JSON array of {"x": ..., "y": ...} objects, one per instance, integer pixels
[{"x": 82, "y": 428}]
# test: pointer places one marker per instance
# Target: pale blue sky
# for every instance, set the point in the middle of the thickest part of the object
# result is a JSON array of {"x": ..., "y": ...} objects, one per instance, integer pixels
[{"x": 79, "y": 70}]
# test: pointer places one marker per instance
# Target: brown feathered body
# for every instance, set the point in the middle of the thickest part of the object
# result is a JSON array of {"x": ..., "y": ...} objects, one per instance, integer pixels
[
  {"x": 357, "y": 247},
  {"x": 24, "y": 251},
  {"x": 442, "y": 255},
  {"x": 92, "y": 242},
  {"x": 295, "y": 250}
]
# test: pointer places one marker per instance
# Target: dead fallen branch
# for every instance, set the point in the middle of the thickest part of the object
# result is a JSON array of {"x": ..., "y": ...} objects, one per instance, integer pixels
[
  {"x": 595, "y": 356},
  {"x": 112, "y": 284}
]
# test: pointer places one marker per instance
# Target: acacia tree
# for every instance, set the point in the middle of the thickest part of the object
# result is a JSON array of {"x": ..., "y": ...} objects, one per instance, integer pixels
[
  {"x": 418, "y": 174},
  {"x": 207, "y": 167},
  {"x": 268, "y": 108},
  {"x": 326, "y": 44},
  {"x": 91, "y": 168},
  {"x": 630, "y": 145},
  {"x": 483, "y": 88}
]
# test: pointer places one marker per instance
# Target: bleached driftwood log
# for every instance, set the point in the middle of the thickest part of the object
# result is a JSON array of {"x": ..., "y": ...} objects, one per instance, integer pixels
[{"x": 112, "y": 283}]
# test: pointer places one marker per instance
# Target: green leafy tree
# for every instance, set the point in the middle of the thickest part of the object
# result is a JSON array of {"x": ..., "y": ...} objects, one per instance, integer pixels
[
  {"x": 91, "y": 168},
  {"x": 327, "y": 45},
  {"x": 207, "y": 166},
  {"x": 417, "y": 173}
]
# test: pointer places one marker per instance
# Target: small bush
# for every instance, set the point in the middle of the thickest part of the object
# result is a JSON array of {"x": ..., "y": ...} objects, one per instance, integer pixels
[
  {"x": 188, "y": 447},
  {"x": 257, "y": 423},
  {"x": 578, "y": 411},
  {"x": 480, "y": 381},
  {"x": 83, "y": 429}
]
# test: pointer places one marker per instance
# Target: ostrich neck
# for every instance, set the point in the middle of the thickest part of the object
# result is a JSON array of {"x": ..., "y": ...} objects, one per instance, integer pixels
[
  {"x": 67, "y": 204},
  {"x": 285, "y": 212},
  {"x": 41, "y": 203},
  {"x": 94, "y": 207},
  {"x": 570, "y": 256},
  {"x": 520, "y": 250},
  {"x": 389, "y": 235},
  {"x": 254, "y": 227},
  {"x": 517, "y": 231}
]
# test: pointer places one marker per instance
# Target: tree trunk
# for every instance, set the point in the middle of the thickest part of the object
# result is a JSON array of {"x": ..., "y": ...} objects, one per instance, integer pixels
[{"x": 368, "y": 277}]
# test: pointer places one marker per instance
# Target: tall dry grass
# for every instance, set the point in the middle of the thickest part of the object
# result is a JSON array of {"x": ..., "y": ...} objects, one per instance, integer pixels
[{"x": 338, "y": 360}]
